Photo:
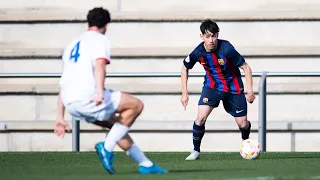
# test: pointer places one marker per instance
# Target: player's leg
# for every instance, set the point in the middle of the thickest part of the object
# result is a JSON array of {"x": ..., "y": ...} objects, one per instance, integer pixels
[
  {"x": 208, "y": 101},
  {"x": 244, "y": 126},
  {"x": 129, "y": 108},
  {"x": 127, "y": 144},
  {"x": 236, "y": 105},
  {"x": 199, "y": 130}
]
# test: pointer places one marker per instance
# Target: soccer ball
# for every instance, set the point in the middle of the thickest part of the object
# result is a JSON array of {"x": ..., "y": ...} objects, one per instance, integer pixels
[{"x": 250, "y": 149}]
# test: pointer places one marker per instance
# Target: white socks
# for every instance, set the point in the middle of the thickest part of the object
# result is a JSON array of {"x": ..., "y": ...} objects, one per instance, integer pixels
[
  {"x": 138, "y": 156},
  {"x": 115, "y": 134}
]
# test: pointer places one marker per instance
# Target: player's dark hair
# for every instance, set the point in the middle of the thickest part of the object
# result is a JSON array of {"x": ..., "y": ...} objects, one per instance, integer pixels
[
  {"x": 209, "y": 25},
  {"x": 98, "y": 17}
]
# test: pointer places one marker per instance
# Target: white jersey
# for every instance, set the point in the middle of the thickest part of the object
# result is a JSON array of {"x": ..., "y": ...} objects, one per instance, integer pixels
[{"x": 78, "y": 82}]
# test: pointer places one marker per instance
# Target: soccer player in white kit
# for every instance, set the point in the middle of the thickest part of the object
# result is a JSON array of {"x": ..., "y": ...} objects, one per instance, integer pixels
[{"x": 83, "y": 95}]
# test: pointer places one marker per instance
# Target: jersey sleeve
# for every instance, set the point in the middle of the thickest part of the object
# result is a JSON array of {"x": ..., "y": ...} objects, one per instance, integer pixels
[
  {"x": 233, "y": 55},
  {"x": 102, "y": 50},
  {"x": 190, "y": 60}
]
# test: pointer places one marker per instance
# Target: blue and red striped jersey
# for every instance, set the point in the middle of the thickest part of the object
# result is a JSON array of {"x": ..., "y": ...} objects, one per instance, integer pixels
[{"x": 221, "y": 66}]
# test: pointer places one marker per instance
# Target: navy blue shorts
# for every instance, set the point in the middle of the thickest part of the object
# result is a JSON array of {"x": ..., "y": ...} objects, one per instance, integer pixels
[{"x": 234, "y": 104}]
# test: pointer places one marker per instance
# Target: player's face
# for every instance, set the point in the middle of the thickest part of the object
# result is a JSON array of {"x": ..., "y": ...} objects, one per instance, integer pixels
[{"x": 210, "y": 40}]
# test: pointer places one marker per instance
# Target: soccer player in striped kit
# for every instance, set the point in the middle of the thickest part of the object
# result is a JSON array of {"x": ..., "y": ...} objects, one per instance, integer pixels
[{"x": 223, "y": 82}]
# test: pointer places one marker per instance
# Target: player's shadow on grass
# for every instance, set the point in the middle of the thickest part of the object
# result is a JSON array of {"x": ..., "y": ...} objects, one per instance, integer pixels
[
  {"x": 206, "y": 170},
  {"x": 179, "y": 171},
  {"x": 192, "y": 170}
]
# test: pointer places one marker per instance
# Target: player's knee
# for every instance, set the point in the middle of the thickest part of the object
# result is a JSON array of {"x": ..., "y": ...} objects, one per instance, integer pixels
[
  {"x": 134, "y": 111},
  {"x": 139, "y": 106},
  {"x": 241, "y": 121},
  {"x": 201, "y": 119}
]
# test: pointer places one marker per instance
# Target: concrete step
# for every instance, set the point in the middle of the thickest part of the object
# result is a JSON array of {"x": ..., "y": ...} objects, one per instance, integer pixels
[
  {"x": 125, "y": 65},
  {"x": 10, "y": 51},
  {"x": 174, "y": 142},
  {"x": 158, "y": 85},
  {"x": 159, "y": 107},
  {"x": 125, "y": 10},
  {"x": 25, "y": 136},
  {"x": 161, "y": 39},
  {"x": 173, "y": 126},
  {"x": 61, "y": 15},
  {"x": 216, "y": 5},
  {"x": 58, "y": 9}
]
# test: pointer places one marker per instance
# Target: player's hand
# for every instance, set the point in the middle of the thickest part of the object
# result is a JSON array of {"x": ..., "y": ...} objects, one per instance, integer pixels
[
  {"x": 184, "y": 100},
  {"x": 98, "y": 100},
  {"x": 250, "y": 97},
  {"x": 61, "y": 127}
]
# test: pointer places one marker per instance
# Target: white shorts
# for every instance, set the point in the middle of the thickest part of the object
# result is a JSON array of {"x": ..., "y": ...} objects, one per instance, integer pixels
[{"x": 91, "y": 112}]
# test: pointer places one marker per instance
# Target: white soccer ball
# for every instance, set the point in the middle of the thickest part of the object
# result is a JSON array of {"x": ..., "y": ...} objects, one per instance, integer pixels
[{"x": 250, "y": 149}]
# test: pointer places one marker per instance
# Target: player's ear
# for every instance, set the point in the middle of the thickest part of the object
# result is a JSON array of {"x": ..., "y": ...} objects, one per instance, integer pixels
[{"x": 201, "y": 36}]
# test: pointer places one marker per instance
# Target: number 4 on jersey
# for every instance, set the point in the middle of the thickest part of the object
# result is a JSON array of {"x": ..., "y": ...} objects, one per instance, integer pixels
[{"x": 74, "y": 55}]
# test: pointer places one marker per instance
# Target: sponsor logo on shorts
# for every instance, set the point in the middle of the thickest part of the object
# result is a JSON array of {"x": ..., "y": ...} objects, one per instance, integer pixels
[{"x": 239, "y": 111}]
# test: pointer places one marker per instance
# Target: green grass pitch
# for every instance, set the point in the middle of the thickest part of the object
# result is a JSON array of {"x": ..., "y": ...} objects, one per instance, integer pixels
[{"x": 211, "y": 166}]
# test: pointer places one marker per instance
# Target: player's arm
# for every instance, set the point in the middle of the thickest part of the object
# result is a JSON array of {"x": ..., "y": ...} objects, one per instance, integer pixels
[
  {"x": 60, "y": 108},
  {"x": 100, "y": 75},
  {"x": 239, "y": 61},
  {"x": 61, "y": 124},
  {"x": 248, "y": 75},
  {"x": 101, "y": 59},
  {"x": 184, "y": 79},
  {"x": 188, "y": 63}
]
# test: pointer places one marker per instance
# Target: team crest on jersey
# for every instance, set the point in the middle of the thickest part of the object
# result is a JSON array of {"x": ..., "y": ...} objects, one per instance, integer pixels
[
  {"x": 205, "y": 100},
  {"x": 221, "y": 62}
]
